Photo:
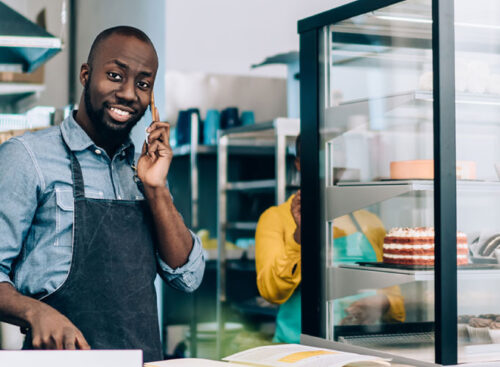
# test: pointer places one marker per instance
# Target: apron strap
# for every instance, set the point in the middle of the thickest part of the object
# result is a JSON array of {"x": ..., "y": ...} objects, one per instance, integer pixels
[
  {"x": 356, "y": 224},
  {"x": 76, "y": 172}
]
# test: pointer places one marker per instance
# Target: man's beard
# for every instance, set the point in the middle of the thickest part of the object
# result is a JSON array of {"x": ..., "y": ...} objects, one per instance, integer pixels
[{"x": 104, "y": 127}]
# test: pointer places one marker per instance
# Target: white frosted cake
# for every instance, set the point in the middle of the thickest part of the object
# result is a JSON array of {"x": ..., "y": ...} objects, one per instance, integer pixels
[{"x": 415, "y": 246}]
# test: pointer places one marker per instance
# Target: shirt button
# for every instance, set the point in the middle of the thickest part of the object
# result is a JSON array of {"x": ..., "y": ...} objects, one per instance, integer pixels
[
  {"x": 98, "y": 151},
  {"x": 124, "y": 154}
]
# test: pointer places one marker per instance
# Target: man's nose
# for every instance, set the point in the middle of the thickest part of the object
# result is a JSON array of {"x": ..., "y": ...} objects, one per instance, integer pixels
[{"x": 127, "y": 91}]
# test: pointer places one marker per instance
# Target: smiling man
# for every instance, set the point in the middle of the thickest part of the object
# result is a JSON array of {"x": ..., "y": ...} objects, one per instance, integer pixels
[{"x": 84, "y": 225}]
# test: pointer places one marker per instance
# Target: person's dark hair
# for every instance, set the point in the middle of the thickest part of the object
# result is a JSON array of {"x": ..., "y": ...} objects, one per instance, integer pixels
[
  {"x": 122, "y": 30},
  {"x": 297, "y": 146}
]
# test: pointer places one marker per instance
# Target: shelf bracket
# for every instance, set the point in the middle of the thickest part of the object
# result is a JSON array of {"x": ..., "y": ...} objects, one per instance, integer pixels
[{"x": 342, "y": 200}]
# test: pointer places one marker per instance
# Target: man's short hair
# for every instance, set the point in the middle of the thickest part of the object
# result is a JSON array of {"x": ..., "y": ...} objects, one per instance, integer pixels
[{"x": 122, "y": 30}]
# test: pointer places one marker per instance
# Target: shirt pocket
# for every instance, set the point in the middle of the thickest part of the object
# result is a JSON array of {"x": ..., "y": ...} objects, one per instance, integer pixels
[{"x": 65, "y": 206}]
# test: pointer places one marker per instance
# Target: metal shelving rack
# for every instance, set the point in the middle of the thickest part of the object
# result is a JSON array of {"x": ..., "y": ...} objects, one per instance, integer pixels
[
  {"x": 15, "y": 97},
  {"x": 192, "y": 151},
  {"x": 255, "y": 139},
  {"x": 8, "y": 88},
  {"x": 23, "y": 48}
]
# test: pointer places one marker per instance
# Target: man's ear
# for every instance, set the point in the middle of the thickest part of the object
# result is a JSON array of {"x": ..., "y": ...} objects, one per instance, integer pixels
[{"x": 84, "y": 74}]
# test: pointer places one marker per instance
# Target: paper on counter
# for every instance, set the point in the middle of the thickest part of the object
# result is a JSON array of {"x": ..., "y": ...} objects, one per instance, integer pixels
[{"x": 295, "y": 355}]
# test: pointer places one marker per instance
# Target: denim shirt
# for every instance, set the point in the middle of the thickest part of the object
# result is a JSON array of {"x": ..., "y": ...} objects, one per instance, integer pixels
[{"x": 36, "y": 206}]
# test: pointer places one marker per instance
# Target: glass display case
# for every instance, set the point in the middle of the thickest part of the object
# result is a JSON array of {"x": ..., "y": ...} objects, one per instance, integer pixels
[{"x": 400, "y": 119}]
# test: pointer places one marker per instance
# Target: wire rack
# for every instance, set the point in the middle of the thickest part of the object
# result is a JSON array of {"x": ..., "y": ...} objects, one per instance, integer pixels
[{"x": 370, "y": 341}]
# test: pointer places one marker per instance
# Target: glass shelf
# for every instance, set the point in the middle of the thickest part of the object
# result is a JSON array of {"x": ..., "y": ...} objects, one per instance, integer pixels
[
  {"x": 20, "y": 88},
  {"x": 339, "y": 116},
  {"x": 251, "y": 185},
  {"x": 363, "y": 277},
  {"x": 347, "y": 197}
]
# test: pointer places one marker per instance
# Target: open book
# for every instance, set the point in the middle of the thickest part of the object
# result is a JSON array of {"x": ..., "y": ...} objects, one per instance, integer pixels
[{"x": 283, "y": 355}]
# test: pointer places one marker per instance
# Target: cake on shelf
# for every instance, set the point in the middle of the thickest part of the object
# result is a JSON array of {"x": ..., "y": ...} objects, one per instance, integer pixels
[
  {"x": 415, "y": 246},
  {"x": 424, "y": 170}
]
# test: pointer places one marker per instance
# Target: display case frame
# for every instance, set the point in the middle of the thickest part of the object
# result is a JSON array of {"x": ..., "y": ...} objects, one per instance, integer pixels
[{"x": 444, "y": 142}]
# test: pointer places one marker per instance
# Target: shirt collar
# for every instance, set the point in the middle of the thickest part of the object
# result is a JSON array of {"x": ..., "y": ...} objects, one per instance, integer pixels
[{"x": 77, "y": 139}]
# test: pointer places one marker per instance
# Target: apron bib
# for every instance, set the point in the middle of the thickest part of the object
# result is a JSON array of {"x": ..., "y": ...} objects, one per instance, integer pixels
[
  {"x": 354, "y": 247},
  {"x": 109, "y": 293},
  {"x": 288, "y": 320}
]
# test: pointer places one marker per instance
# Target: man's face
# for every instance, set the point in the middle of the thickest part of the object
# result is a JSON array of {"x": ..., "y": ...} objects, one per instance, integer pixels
[{"x": 119, "y": 82}]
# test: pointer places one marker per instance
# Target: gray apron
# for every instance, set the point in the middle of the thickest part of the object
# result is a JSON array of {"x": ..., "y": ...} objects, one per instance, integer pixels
[{"x": 109, "y": 294}]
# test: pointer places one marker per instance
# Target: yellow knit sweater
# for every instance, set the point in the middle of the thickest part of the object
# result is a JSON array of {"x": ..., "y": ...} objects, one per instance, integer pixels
[{"x": 277, "y": 255}]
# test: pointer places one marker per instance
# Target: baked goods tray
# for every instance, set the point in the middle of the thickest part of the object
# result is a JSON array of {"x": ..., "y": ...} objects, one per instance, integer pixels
[{"x": 425, "y": 267}]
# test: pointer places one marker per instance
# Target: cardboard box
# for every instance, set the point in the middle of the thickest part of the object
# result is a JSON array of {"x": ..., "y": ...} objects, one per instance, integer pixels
[{"x": 36, "y": 77}]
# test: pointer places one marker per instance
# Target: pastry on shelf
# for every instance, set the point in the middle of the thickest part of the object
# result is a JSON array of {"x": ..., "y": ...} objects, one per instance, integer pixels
[
  {"x": 423, "y": 169},
  {"x": 478, "y": 329}
]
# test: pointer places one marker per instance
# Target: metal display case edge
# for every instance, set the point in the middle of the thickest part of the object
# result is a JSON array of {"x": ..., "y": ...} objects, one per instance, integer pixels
[{"x": 313, "y": 276}]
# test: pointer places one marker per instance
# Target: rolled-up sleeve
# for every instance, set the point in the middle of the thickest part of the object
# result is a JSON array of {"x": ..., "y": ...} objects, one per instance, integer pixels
[
  {"x": 19, "y": 183},
  {"x": 188, "y": 277}
]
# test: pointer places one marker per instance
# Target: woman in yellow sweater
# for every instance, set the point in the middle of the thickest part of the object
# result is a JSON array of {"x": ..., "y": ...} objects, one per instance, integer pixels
[{"x": 278, "y": 264}]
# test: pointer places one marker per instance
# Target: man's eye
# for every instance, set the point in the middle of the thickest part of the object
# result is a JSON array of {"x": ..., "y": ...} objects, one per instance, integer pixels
[
  {"x": 114, "y": 76},
  {"x": 143, "y": 85}
]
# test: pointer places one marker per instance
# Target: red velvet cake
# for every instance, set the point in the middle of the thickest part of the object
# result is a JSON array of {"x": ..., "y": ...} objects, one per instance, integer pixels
[{"x": 415, "y": 246}]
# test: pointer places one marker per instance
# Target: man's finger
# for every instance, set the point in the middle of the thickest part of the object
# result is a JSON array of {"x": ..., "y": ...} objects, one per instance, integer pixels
[
  {"x": 69, "y": 341},
  {"x": 159, "y": 134},
  {"x": 152, "y": 148},
  {"x": 81, "y": 343},
  {"x": 164, "y": 150},
  {"x": 36, "y": 342},
  {"x": 159, "y": 149},
  {"x": 57, "y": 341},
  {"x": 160, "y": 129},
  {"x": 157, "y": 125}
]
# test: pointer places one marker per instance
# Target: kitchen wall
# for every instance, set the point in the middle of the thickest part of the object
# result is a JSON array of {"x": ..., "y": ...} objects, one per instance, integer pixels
[
  {"x": 227, "y": 36},
  {"x": 205, "y": 39}
]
